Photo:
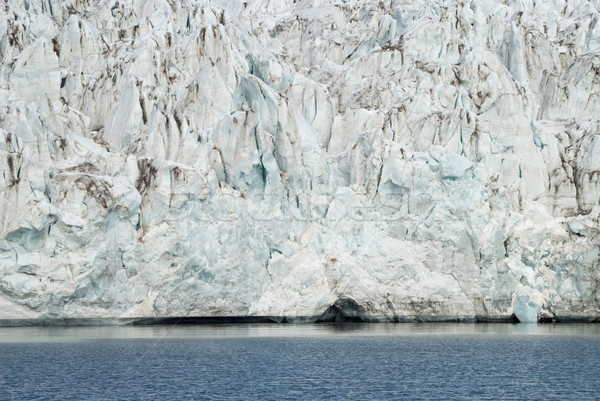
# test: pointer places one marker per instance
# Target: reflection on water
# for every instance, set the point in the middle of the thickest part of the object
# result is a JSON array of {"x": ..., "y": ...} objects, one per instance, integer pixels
[
  {"x": 69, "y": 334},
  {"x": 279, "y": 362}
]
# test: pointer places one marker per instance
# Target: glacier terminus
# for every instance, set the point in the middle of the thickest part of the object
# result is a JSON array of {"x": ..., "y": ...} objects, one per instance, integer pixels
[{"x": 303, "y": 160}]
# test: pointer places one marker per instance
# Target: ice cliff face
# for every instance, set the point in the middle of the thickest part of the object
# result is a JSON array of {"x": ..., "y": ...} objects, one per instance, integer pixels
[{"x": 391, "y": 160}]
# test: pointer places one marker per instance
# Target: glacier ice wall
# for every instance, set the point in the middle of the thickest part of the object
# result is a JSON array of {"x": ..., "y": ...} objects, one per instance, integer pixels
[{"x": 391, "y": 160}]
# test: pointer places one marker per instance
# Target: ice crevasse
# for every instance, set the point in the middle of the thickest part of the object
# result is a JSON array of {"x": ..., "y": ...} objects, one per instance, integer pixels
[{"x": 304, "y": 160}]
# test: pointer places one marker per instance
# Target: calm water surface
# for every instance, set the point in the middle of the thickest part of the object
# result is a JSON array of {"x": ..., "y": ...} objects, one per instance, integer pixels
[{"x": 284, "y": 362}]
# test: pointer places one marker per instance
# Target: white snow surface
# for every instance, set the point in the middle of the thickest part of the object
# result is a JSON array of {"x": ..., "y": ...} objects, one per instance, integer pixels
[{"x": 419, "y": 160}]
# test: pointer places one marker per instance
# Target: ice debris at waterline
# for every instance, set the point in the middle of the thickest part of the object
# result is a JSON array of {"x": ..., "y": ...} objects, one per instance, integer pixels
[{"x": 387, "y": 160}]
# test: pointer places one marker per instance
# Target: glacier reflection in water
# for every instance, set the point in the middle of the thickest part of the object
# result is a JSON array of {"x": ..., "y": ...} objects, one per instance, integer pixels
[{"x": 357, "y": 361}]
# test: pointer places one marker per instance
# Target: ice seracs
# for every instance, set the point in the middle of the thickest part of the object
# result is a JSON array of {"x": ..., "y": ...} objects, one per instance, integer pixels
[{"x": 304, "y": 160}]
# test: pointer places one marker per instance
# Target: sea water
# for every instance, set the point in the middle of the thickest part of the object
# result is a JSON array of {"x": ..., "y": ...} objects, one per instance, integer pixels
[{"x": 304, "y": 362}]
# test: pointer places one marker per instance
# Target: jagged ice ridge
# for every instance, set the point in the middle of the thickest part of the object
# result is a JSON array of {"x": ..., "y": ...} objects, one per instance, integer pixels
[{"x": 391, "y": 160}]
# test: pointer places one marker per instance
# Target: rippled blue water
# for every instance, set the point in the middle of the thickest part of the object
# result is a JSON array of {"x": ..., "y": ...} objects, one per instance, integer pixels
[{"x": 284, "y": 362}]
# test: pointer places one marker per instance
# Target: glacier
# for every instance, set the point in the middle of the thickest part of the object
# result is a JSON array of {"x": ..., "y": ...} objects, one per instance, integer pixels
[{"x": 304, "y": 160}]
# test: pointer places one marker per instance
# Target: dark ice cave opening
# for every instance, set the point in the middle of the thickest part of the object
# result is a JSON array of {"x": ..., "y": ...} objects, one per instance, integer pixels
[{"x": 344, "y": 310}]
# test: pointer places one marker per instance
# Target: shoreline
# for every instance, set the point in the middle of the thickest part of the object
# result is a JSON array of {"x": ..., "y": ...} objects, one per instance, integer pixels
[{"x": 275, "y": 320}]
